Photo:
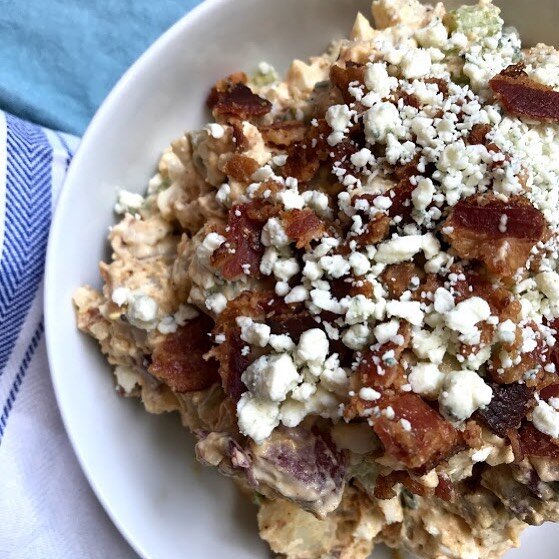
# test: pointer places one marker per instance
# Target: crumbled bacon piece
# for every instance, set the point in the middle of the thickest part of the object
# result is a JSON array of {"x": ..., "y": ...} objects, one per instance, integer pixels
[
  {"x": 179, "y": 362},
  {"x": 341, "y": 154},
  {"x": 239, "y": 139},
  {"x": 397, "y": 278},
  {"x": 222, "y": 86},
  {"x": 261, "y": 211},
  {"x": 303, "y": 226},
  {"x": 445, "y": 490},
  {"x": 409, "y": 99},
  {"x": 480, "y": 232},
  {"x": 235, "y": 99},
  {"x": 375, "y": 231},
  {"x": 341, "y": 287},
  {"x": 285, "y": 133},
  {"x": 507, "y": 408},
  {"x": 517, "y": 70},
  {"x": 473, "y": 434},
  {"x": 440, "y": 83},
  {"x": 380, "y": 368},
  {"x": 302, "y": 163},
  {"x": 295, "y": 319},
  {"x": 267, "y": 189},
  {"x": 535, "y": 443},
  {"x": 375, "y": 373},
  {"x": 240, "y": 167},
  {"x": 424, "y": 293},
  {"x": 304, "y": 157},
  {"x": 526, "y": 367},
  {"x": 551, "y": 391},
  {"x": 384, "y": 487},
  {"x": 524, "y": 97},
  {"x": 408, "y": 170},
  {"x": 476, "y": 284},
  {"x": 342, "y": 77},
  {"x": 293, "y": 322},
  {"x": 400, "y": 194},
  {"x": 243, "y": 250},
  {"x": 478, "y": 134},
  {"x": 362, "y": 287},
  {"x": 430, "y": 440},
  {"x": 484, "y": 213},
  {"x": 232, "y": 362},
  {"x": 401, "y": 200}
]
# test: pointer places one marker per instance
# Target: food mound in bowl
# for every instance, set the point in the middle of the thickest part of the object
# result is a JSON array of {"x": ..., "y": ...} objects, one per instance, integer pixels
[{"x": 347, "y": 287}]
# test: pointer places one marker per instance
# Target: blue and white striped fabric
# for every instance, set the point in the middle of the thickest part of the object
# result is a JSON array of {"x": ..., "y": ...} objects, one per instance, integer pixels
[{"x": 47, "y": 509}]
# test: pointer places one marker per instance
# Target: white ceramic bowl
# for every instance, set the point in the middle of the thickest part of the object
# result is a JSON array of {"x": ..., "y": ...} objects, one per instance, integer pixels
[{"x": 140, "y": 466}]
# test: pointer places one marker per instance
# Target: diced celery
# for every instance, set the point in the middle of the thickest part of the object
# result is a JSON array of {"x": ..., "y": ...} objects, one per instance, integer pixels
[
  {"x": 257, "y": 498},
  {"x": 476, "y": 22},
  {"x": 265, "y": 75}
]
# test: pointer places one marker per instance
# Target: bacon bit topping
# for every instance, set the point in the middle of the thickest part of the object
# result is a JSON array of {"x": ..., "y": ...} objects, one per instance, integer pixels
[
  {"x": 302, "y": 163},
  {"x": 375, "y": 231},
  {"x": 303, "y": 226},
  {"x": 284, "y": 134},
  {"x": 384, "y": 487},
  {"x": 478, "y": 135},
  {"x": 295, "y": 319},
  {"x": 222, "y": 86},
  {"x": 234, "y": 98},
  {"x": 362, "y": 287},
  {"x": 239, "y": 139},
  {"x": 236, "y": 364},
  {"x": 441, "y": 84},
  {"x": 376, "y": 372},
  {"x": 507, "y": 409},
  {"x": 426, "y": 288},
  {"x": 535, "y": 443},
  {"x": 473, "y": 434},
  {"x": 408, "y": 170},
  {"x": 397, "y": 278},
  {"x": 232, "y": 362},
  {"x": 530, "y": 363},
  {"x": 304, "y": 158},
  {"x": 501, "y": 301},
  {"x": 483, "y": 214},
  {"x": 179, "y": 362},
  {"x": 445, "y": 490},
  {"x": 261, "y": 211},
  {"x": 268, "y": 188},
  {"x": 293, "y": 323},
  {"x": 551, "y": 391},
  {"x": 400, "y": 197},
  {"x": 524, "y": 97},
  {"x": 243, "y": 246},
  {"x": 240, "y": 167},
  {"x": 478, "y": 234},
  {"x": 342, "y": 77},
  {"x": 430, "y": 440},
  {"x": 401, "y": 200}
]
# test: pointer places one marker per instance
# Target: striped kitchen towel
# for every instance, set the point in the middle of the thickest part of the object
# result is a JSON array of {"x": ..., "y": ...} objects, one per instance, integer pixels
[{"x": 47, "y": 509}]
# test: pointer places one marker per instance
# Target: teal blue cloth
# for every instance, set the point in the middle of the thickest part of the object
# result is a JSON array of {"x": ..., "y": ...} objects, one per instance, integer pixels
[{"x": 60, "y": 58}]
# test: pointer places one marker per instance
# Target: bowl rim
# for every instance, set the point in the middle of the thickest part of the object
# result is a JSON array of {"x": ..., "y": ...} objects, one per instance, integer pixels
[{"x": 95, "y": 127}]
